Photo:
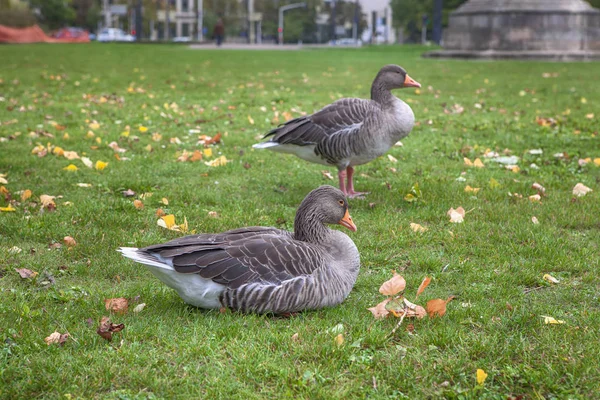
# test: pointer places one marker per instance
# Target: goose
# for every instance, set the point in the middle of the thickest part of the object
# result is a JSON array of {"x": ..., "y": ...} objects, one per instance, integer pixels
[
  {"x": 263, "y": 269},
  {"x": 350, "y": 131}
]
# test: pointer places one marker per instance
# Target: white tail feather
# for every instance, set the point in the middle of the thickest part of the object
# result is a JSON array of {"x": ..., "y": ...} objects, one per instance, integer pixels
[
  {"x": 265, "y": 145},
  {"x": 135, "y": 255}
]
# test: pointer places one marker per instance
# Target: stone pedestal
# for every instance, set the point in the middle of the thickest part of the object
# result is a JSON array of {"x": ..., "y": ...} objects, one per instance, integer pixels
[{"x": 524, "y": 29}]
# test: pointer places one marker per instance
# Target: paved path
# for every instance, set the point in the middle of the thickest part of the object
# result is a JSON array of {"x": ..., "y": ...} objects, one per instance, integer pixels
[{"x": 241, "y": 46}]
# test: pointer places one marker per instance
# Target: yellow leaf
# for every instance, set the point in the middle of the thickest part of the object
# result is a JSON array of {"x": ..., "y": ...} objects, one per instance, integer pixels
[
  {"x": 468, "y": 162},
  {"x": 94, "y": 125},
  {"x": 165, "y": 201},
  {"x": 494, "y": 183},
  {"x": 70, "y": 167},
  {"x": 470, "y": 189},
  {"x": 477, "y": 163},
  {"x": 481, "y": 375},
  {"x": 90, "y": 135},
  {"x": 156, "y": 137},
  {"x": 251, "y": 120},
  {"x": 583, "y": 100},
  {"x": 551, "y": 320},
  {"x": 392, "y": 158},
  {"x": 217, "y": 162},
  {"x": 58, "y": 151},
  {"x": 339, "y": 339},
  {"x": 100, "y": 165},
  {"x": 550, "y": 278},
  {"x": 143, "y": 129},
  {"x": 167, "y": 221},
  {"x": 9, "y": 208},
  {"x": 597, "y": 161},
  {"x": 25, "y": 195},
  {"x": 148, "y": 148},
  {"x": 535, "y": 198},
  {"x": 417, "y": 227},
  {"x": 207, "y": 152}
]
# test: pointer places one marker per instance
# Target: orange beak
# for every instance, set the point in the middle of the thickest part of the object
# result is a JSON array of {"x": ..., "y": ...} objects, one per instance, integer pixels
[
  {"x": 347, "y": 222},
  {"x": 410, "y": 82}
]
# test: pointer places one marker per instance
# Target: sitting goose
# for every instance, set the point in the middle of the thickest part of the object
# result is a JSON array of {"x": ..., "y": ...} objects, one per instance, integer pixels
[
  {"x": 350, "y": 131},
  {"x": 262, "y": 269}
]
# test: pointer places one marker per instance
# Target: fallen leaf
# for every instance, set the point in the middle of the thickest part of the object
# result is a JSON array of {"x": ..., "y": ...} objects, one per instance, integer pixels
[
  {"x": 494, "y": 183},
  {"x": 414, "y": 310},
  {"x": 481, "y": 375},
  {"x": 478, "y": 164},
  {"x": 295, "y": 337},
  {"x": 128, "y": 193},
  {"x": 26, "y": 273},
  {"x": 160, "y": 212},
  {"x": 456, "y": 216},
  {"x": 417, "y": 227},
  {"x": 164, "y": 201},
  {"x": 597, "y": 161},
  {"x": 118, "y": 305},
  {"x": 87, "y": 162},
  {"x": 207, "y": 152},
  {"x": 139, "y": 307},
  {"x": 327, "y": 174},
  {"x": 196, "y": 156},
  {"x": 8, "y": 208},
  {"x": 550, "y": 278},
  {"x": 392, "y": 158},
  {"x": 168, "y": 222},
  {"x": 213, "y": 214},
  {"x": 84, "y": 185},
  {"x": 217, "y": 162},
  {"x": 581, "y": 190},
  {"x": 426, "y": 281},
  {"x": 339, "y": 339},
  {"x": 69, "y": 241},
  {"x": 71, "y": 155},
  {"x": 251, "y": 120},
  {"x": 538, "y": 187},
  {"x": 15, "y": 250},
  {"x": 436, "y": 307},
  {"x": 56, "y": 338},
  {"x": 107, "y": 328},
  {"x": 379, "y": 311},
  {"x": 138, "y": 204},
  {"x": 535, "y": 220},
  {"x": 48, "y": 202},
  {"x": 535, "y": 198},
  {"x": 100, "y": 165},
  {"x": 470, "y": 189},
  {"x": 94, "y": 125},
  {"x": 393, "y": 285},
  {"x": 143, "y": 129},
  {"x": 71, "y": 167},
  {"x": 551, "y": 320}
]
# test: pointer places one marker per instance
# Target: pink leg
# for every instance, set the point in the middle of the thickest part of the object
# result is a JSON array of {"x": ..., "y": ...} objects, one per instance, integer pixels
[
  {"x": 342, "y": 178},
  {"x": 350, "y": 191}
]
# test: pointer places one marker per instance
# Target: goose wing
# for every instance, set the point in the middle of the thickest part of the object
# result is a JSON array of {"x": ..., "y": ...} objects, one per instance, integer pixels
[
  {"x": 343, "y": 117},
  {"x": 236, "y": 258}
]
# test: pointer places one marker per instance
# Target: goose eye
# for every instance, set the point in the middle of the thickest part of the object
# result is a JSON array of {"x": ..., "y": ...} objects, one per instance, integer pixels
[{"x": 341, "y": 202}]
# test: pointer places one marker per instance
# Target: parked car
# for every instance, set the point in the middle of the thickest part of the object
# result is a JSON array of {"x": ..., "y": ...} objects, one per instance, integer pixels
[{"x": 114, "y": 35}]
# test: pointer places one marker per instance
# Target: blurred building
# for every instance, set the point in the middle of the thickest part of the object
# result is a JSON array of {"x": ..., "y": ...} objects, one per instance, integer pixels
[{"x": 379, "y": 19}]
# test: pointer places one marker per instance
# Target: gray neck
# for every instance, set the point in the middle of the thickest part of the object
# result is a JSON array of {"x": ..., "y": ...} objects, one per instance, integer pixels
[
  {"x": 380, "y": 93},
  {"x": 308, "y": 226}
]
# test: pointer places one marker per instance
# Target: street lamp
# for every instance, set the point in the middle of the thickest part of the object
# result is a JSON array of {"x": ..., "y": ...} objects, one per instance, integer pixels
[{"x": 281, "y": 11}]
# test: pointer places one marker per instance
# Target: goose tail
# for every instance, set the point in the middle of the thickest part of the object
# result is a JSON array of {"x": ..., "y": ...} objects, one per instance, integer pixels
[{"x": 134, "y": 254}]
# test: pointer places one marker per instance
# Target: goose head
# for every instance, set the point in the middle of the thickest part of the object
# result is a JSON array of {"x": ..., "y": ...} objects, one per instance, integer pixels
[
  {"x": 394, "y": 77},
  {"x": 323, "y": 205}
]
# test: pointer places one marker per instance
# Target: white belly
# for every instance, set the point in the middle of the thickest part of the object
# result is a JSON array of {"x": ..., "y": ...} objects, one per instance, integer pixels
[{"x": 304, "y": 152}]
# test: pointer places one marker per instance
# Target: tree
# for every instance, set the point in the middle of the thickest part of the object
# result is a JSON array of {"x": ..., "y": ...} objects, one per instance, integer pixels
[
  {"x": 54, "y": 13},
  {"x": 408, "y": 14}
]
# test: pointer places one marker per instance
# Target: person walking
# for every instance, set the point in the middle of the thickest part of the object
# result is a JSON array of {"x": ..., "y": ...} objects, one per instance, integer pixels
[{"x": 219, "y": 31}]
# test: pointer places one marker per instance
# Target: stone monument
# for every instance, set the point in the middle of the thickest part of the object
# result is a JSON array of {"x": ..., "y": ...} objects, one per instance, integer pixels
[{"x": 562, "y": 30}]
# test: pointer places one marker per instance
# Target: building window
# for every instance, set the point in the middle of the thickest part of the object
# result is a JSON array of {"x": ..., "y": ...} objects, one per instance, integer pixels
[
  {"x": 185, "y": 30},
  {"x": 185, "y": 5}
]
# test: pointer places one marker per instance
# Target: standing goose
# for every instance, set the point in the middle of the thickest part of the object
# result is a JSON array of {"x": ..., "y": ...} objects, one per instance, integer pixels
[
  {"x": 262, "y": 269},
  {"x": 350, "y": 131}
]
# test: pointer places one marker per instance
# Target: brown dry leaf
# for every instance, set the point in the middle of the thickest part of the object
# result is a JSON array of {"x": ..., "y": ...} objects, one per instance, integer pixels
[
  {"x": 160, "y": 212},
  {"x": 214, "y": 140},
  {"x": 295, "y": 337},
  {"x": 535, "y": 198},
  {"x": 56, "y": 338},
  {"x": 25, "y": 195},
  {"x": 107, "y": 328},
  {"x": 379, "y": 311},
  {"x": 456, "y": 216},
  {"x": 423, "y": 285},
  {"x": 393, "y": 286},
  {"x": 470, "y": 189},
  {"x": 138, "y": 204},
  {"x": 327, "y": 174},
  {"x": 413, "y": 310},
  {"x": 196, "y": 156},
  {"x": 339, "y": 339},
  {"x": 437, "y": 307},
  {"x": 48, "y": 202},
  {"x": 118, "y": 305},
  {"x": 540, "y": 189},
  {"x": 26, "y": 273},
  {"x": 69, "y": 241},
  {"x": 71, "y": 155}
]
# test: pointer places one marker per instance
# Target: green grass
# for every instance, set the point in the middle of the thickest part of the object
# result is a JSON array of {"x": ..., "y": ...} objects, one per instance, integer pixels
[{"x": 494, "y": 261}]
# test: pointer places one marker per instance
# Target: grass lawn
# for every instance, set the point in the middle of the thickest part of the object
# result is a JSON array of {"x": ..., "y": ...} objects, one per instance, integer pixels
[{"x": 83, "y": 97}]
